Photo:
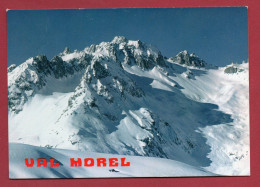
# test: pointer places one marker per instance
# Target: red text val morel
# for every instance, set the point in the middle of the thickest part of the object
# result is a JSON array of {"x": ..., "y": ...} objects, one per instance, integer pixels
[{"x": 86, "y": 162}]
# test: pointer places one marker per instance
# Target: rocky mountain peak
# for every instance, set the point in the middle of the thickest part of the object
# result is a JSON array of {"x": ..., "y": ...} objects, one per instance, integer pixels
[
  {"x": 185, "y": 58},
  {"x": 66, "y": 51},
  {"x": 119, "y": 39},
  {"x": 11, "y": 68}
]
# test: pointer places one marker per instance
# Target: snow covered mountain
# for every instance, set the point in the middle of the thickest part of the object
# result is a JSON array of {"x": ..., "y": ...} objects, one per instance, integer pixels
[{"x": 124, "y": 97}]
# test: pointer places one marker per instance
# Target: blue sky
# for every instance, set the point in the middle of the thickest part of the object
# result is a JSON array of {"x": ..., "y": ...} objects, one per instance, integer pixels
[{"x": 217, "y": 35}]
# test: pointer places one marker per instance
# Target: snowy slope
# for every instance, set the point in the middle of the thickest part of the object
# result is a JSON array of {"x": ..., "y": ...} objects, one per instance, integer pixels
[
  {"x": 139, "y": 166},
  {"x": 230, "y": 91},
  {"x": 123, "y": 97}
]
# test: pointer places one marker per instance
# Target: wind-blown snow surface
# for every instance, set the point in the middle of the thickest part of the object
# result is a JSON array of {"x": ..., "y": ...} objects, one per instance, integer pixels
[
  {"x": 123, "y": 97},
  {"x": 139, "y": 166},
  {"x": 229, "y": 143}
]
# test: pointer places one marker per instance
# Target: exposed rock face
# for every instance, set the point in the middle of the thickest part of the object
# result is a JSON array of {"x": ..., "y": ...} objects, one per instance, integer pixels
[
  {"x": 232, "y": 69},
  {"x": 66, "y": 51},
  {"x": 11, "y": 68},
  {"x": 188, "y": 59}
]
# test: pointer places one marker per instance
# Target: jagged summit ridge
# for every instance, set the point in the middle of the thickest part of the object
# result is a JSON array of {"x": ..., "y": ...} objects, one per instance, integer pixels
[
  {"x": 119, "y": 39},
  {"x": 128, "y": 52},
  {"x": 31, "y": 76},
  {"x": 185, "y": 58}
]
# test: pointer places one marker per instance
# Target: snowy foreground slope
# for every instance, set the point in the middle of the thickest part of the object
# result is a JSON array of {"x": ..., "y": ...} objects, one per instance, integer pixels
[
  {"x": 139, "y": 166},
  {"x": 124, "y": 97}
]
